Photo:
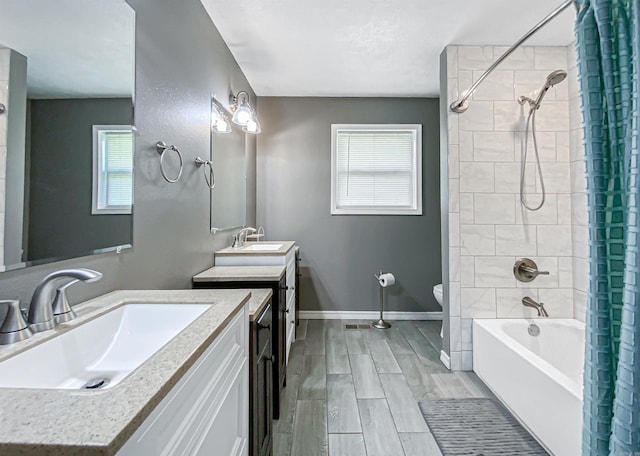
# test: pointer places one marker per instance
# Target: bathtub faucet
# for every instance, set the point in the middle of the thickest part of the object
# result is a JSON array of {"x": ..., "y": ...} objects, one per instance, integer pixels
[{"x": 528, "y": 302}]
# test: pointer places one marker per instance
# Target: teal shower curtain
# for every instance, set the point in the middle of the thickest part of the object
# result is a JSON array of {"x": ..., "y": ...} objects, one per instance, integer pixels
[{"x": 608, "y": 44}]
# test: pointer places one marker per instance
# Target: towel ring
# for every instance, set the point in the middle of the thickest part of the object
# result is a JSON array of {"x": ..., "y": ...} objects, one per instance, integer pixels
[
  {"x": 211, "y": 178},
  {"x": 162, "y": 147}
]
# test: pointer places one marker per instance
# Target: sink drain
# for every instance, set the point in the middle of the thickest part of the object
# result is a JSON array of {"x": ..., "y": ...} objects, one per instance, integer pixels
[{"x": 96, "y": 383}]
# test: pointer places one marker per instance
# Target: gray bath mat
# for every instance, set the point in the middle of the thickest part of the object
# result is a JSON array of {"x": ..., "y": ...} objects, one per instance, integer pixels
[{"x": 477, "y": 427}]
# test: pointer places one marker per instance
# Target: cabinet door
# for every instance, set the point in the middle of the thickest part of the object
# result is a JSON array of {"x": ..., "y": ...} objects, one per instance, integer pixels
[{"x": 262, "y": 385}]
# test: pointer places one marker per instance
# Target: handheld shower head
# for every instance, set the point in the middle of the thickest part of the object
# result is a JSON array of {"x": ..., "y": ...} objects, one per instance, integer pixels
[{"x": 555, "y": 77}]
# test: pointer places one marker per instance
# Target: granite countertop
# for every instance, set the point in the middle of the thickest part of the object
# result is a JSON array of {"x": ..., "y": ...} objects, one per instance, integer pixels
[
  {"x": 80, "y": 422},
  {"x": 259, "y": 298},
  {"x": 230, "y": 251},
  {"x": 240, "y": 274}
]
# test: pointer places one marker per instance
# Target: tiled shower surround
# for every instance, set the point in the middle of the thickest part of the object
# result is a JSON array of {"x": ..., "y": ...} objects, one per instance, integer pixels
[
  {"x": 4, "y": 95},
  {"x": 488, "y": 227}
]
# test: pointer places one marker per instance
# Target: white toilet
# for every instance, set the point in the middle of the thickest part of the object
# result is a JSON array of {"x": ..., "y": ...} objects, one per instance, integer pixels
[{"x": 437, "y": 293}]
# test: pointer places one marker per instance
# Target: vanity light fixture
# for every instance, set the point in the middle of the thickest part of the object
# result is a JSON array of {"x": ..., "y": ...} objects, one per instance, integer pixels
[
  {"x": 253, "y": 127},
  {"x": 243, "y": 113},
  {"x": 219, "y": 121}
]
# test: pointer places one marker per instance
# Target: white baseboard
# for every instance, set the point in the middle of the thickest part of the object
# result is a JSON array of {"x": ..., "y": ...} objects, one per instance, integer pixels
[
  {"x": 367, "y": 315},
  {"x": 444, "y": 359}
]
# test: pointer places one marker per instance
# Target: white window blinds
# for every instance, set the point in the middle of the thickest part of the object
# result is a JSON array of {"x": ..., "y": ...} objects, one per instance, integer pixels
[
  {"x": 113, "y": 170},
  {"x": 376, "y": 169}
]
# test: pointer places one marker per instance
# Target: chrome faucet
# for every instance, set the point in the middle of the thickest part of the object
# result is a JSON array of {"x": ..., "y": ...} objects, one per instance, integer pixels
[
  {"x": 241, "y": 237},
  {"x": 47, "y": 309},
  {"x": 539, "y": 306}
]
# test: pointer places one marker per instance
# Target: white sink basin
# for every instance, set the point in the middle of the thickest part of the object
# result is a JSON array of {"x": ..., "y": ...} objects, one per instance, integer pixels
[
  {"x": 263, "y": 247},
  {"x": 110, "y": 347}
]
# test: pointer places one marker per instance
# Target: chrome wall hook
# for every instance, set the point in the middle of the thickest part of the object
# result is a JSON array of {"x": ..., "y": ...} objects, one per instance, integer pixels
[
  {"x": 161, "y": 148},
  {"x": 3, "y": 108}
]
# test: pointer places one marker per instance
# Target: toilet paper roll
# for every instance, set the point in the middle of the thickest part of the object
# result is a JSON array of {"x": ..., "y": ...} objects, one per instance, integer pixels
[{"x": 386, "y": 280}]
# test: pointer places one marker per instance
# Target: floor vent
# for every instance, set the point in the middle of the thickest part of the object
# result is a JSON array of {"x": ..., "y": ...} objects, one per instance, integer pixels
[{"x": 350, "y": 327}]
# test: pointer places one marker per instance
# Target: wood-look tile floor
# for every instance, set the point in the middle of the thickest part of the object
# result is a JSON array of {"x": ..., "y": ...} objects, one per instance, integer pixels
[{"x": 356, "y": 392}]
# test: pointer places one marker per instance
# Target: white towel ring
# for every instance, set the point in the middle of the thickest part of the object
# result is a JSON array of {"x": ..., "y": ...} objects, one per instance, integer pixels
[
  {"x": 211, "y": 178},
  {"x": 162, "y": 147}
]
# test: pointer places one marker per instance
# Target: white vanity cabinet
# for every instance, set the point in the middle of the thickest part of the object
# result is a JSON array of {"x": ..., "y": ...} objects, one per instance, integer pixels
[
  {"x": 207, "y": 411},
  {"x": 243, "y": 257}
]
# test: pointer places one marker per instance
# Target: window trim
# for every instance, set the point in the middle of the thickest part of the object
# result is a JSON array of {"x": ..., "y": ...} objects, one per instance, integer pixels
[
  {"x": 95, "y": 178},
  {"x": 417, "y": 162}
]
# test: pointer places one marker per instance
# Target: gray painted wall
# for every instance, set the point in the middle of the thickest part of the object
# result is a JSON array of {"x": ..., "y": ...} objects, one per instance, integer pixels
[
  {"x": 61, "y": 178},
  {"x": 17, "y": 115},
  {"x": 341, "y": 253},
  {"x": 180, "y": 61}
]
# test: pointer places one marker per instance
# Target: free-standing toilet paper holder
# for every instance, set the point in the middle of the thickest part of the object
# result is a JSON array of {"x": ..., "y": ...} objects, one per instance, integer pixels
[{"x": 381, "y": 324}]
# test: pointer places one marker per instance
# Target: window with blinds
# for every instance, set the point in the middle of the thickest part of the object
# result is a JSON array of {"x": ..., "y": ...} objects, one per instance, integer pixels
[
  {"x": 112, "y": 169},
  {"x": 376, "y": 169}
]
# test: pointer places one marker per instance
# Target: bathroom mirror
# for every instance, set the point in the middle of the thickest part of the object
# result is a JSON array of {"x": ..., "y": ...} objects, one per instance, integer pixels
[
  {"x": 228, "y": 155},
  {"x": 66, "y": 137}
]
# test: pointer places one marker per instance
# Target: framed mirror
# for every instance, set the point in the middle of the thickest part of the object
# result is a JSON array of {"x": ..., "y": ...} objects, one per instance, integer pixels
[
  {"x": 228, "y": 156},
  {"x": 67, "y": 77}
]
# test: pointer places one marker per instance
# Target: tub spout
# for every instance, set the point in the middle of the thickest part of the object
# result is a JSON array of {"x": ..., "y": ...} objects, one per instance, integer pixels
[{"x": 539, "y": 306}]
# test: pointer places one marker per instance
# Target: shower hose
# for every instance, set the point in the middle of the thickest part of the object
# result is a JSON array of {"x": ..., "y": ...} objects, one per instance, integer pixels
[{"x": 531, "y": 122}]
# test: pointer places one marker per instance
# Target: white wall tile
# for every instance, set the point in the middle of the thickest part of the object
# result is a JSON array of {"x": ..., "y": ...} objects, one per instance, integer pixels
[
  {"x": 452, "y": 60},
  {"x": 580, "y": 241},
  {"x": 497, "y": 86},
  {"x": 3, "y": 166},
  {"x": 546, "y": 215},
  {"x": 509, "y": 302},
  {"x": 564, "y": 208},
  {"x": 580, "y": 305},
  {"x": 554, "y": 240},
  {"x": 479, "y": 117},
  {"x": 454, "y": 195},
  {"x": 494, "y": 271},
  {"x": 466, "y": 333},
  {"x": 577, "y": 144},
  {"x": 454, "y": 229},
  {"x": 454, "y": 161},
  {"x": 474, "y": 57},
  {"x": 581, "y": 274},
  {"x": 518, "y": 240},
  {"x": 476, "y": 177},
  {"x": 455, "y": 357},
  {"x": 565, "y": 272},
  {"x": 466, "y": 208},
  {"x": 528, "y": 83},
  {"x": 550, "y": 57},
  {"x": 523, "y": 58},
  {"x": 494, "y": 208},
  {"x": 558, "y": 301},
  {"x": 453, "y": 126},
  {"x": 563, "y": 146},
  {"x": 467, "y": 271},
  {"x": 507, "y": 178},
  {"x": 557, "y": 177},
  {"x": 454, "y": 299},
  {"x": 553, "y": 116},
  {"x": 477, "y": 240},
  {"x": 466, "y": 361},
  {"x": 454, "y": 264},
  {"x": 546, "y": 147},
  {"x": 466, "y": 146},
  {"x": 4, "y": 90},
  {"x": 478, "y": 302},
  {"x": 493, "y": 146},
  {"x": 465, "y": 80},
  {"x": 579, "y": 210},
  {"x": 455, "y": 339},
  {"x": 579, "y": 181},
  {"x": 508, "y": 116}
]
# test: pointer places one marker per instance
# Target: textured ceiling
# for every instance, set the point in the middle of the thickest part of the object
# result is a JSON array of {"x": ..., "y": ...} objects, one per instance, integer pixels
[
  {"x": 369, "y": 47},
  {"x": 75, "y": 48}
]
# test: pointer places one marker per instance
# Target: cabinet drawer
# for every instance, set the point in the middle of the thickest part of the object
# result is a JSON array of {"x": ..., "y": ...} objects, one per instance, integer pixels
[{"x": 206, "y": 402}]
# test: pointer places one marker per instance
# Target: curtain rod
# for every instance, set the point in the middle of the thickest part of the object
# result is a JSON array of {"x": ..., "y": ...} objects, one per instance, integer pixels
[{"x": 461, "y": 105}]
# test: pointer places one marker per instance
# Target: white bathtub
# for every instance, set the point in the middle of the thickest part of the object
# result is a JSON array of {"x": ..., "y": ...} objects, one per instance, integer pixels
[{"x": 538, "y": 378}]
